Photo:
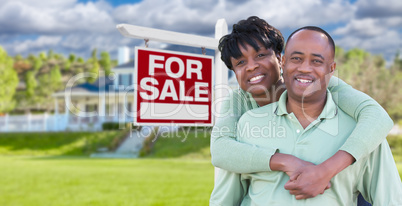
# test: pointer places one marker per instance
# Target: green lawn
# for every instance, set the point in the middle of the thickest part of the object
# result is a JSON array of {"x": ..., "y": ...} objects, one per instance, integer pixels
[
  {"x": 187, "y": 144},
  {"x": 57, "y": 143},
  {"x": 44, "y": 169},
  {"x": 83, "y": 181}
]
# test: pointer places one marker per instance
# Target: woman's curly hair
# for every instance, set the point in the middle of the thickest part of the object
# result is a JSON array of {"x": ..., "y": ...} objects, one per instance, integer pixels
[{"x": 249, "y": 31}]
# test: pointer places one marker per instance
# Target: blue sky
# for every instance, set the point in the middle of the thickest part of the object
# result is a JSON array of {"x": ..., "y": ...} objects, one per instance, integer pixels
[{"x": 79, "y": 26}]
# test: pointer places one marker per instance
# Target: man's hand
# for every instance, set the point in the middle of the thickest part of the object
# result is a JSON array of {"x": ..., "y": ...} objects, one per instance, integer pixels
[{"x": 308, "y": 181}]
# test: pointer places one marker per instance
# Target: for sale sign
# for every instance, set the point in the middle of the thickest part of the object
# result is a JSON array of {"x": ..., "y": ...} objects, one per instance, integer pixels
[{"x": 172, "y": 87}]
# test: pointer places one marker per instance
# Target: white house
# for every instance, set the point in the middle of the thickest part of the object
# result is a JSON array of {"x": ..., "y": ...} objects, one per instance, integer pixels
[
  {"x": 87, "y": 106},
  {"x": 108, "y": 99}
]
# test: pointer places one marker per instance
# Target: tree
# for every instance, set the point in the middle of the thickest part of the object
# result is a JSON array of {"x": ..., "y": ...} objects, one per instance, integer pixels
[
  {"x": 105, "y": 63},
  {"x": 55, "y": 78},
  {"x": 93, "y": 70},
  {"x": 397, "y": 66},
  {"x": 31, "y": 84},
  {"x": 37, "y": 63},
  {"x": 94, "y": 54},
  {"x": 8, "y": 82},
  {"x": 368, "y": 73},
  {"x": 50, "y": 54},
  {"x": 71, "y": 58},
  {"x": 48, "y": 83},
  {"x": 80, "y": 60},
  {"x": 43, "y": 56}
]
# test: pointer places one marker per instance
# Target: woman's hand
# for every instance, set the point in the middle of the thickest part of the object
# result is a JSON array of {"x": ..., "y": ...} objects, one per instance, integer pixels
[
  {"x": 308, "y": 181},
  {"x": 311, "y": 180}
]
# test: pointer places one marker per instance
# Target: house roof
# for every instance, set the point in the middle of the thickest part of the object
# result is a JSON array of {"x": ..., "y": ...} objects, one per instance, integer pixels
[
  {"x": 128, "y": 65},
  {"x": 102, "y": 84}
]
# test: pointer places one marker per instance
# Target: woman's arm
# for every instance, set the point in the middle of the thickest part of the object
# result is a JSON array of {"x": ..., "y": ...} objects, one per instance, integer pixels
[
  {"x": 229, "y": 189},
  {"x": 226, "y": 152},
  {"x": 373, "y": 122}
]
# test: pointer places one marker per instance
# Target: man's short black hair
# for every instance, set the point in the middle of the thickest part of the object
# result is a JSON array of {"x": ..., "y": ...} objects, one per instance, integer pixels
[
  {"x": 250, "y": 31},
  {"x": 317, "y": 29}
]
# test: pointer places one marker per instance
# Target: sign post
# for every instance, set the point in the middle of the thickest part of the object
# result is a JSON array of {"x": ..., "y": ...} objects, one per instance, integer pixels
[{"x": 221, "y": 72}]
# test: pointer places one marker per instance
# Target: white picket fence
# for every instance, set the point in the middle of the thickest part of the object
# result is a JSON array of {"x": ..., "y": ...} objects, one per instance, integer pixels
[
  {"x": 54, "y": 122},
  {"x": 32, "y": 123}
]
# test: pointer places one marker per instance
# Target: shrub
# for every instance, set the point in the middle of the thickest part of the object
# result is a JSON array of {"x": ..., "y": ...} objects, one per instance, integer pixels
[{"x": 117, "y": 126}]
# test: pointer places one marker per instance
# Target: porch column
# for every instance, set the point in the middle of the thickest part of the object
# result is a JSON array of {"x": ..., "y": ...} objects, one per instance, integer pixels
[
  {"x": 6, "y": 123},
  {"x": 101, "y": 109},
  {"x": 115, "y": 111},
  {"x": 56, "y": 106},
  {"x": 45, "y": 116},
  {"x": 29, "y": 118},
  {"x": 66, "y": 112}
]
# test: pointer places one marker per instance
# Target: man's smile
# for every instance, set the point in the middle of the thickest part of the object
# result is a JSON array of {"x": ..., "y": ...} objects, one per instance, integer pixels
[{"x": 304, "y": 80}]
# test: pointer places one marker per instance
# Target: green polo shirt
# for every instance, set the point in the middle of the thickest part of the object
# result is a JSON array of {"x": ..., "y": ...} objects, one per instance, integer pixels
[{"x": 272, "y": 125}]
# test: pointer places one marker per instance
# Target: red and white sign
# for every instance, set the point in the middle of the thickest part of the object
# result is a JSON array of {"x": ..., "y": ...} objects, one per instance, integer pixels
[{"x": 172, "y": 87}]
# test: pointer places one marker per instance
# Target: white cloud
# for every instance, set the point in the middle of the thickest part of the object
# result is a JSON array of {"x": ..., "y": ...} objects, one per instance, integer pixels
[
  {"x": 44, "y": 4},
  {"x": 375, "y": 27},
  {"x": 27, "y": 17},
  {"x": 294, "y": 14},
  {"x": 190, "y": 17},
  {"x": 362, "y": 28},
  {"x": 80, "y": 27},
  {"x": 385, "y": 44},
  {"x": 378, "y": 9},
  {"x": 39, "y": 43}
]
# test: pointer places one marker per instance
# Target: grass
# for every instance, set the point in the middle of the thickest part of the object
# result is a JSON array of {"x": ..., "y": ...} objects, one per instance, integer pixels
[
  {"x": 83, "y": 181},
  {"x": 189, "y": 144},
  {"x": 52, "y": 176},
  {"x": 177, "y": 172},
  {"x": 56, "y": 143}
]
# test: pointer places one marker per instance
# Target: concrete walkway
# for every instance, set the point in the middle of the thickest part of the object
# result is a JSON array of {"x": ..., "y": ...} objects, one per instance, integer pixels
[
  {"x": 132, "y": 145},
  {"x": 130, "y": 148}
]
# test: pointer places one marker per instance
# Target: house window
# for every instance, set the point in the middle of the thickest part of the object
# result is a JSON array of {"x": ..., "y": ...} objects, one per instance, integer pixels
[
  {"x": 129, "y": 107},
  {"x": 120, "y": 108},
  {"x": 108, "y": 110},
  {"x": 125, "y": 79},
  {"x": 91, "y": 107}
]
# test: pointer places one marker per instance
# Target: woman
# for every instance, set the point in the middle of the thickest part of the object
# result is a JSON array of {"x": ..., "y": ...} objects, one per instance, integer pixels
[{"x": 262, "y": 84}]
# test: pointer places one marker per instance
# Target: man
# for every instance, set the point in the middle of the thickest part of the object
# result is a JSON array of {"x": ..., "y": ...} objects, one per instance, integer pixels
[{"x": 315, "y": 129}]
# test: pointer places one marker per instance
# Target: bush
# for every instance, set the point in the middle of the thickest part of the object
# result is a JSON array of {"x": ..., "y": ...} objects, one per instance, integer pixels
[
  {"x": 117, "y": 126},
  {"x": 58, "y": 143}
]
